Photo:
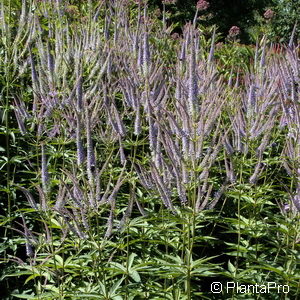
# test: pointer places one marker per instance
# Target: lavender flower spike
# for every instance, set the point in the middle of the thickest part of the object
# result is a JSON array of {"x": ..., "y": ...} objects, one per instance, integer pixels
[
  {"x": 80, "y": 151},
  {"x": 192, "y": 83},
  {"x": 146, "y": 54}
]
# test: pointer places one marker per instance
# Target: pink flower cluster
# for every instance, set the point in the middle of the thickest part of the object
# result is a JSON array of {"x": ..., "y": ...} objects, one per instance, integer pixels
[
  {"x": 269, "y": 14},
  {"x": 202, "y": 5},
  {"x": 234, "y": 31}
]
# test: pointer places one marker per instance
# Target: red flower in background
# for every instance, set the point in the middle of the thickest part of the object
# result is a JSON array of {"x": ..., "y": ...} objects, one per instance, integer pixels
[
  {"x": 234, "y": 31},
  {"x": 202, "y": 5},
  {"x": 269, "y": 14}
]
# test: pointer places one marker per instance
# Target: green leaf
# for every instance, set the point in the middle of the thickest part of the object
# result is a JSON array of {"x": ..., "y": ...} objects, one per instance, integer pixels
[
  {"x": 115, "y": 287},
  {"x": 135, "y": 276},
  {"x": 22, "y": 296},
  {"x": 130, "y": 259},
  {"x": 118, "y": 267},
  {"x": 16, "y": 274},
  {"x": 87, "y": 295},
  {"x": 59, "y": 260},
  {"x": 231, "y": 267}
]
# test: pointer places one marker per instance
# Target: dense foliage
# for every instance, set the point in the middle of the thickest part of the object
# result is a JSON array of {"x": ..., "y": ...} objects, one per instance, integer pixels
[
  {"x": 223, "y": 13},
  {"x": 249, "y": 15},
  {"x": 286, "y": 16},
  {"x": 143, "y": 164}
]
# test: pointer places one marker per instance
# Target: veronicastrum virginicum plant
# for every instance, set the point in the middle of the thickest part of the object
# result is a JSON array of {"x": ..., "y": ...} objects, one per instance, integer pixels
[{"x": 145, "y": 166}]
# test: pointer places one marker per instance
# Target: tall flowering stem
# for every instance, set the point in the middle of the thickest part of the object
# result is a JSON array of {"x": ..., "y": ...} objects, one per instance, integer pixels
[
  {"x": 201, "y": 5},
  {"x": 45, "y": 174}
]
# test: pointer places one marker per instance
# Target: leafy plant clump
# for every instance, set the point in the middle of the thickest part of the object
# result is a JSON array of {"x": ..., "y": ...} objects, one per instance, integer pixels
[{"x": 141, "y": 164}]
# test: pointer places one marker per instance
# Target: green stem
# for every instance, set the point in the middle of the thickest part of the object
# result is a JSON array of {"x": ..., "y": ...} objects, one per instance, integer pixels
[{"x": 7, "y": 113}]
